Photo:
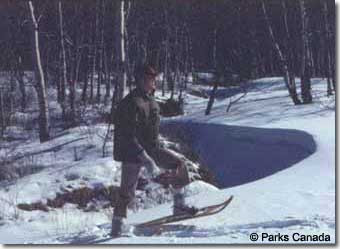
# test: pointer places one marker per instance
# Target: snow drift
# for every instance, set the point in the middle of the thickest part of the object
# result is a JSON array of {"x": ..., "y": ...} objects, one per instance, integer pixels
[{"x": 239, "y": 155}]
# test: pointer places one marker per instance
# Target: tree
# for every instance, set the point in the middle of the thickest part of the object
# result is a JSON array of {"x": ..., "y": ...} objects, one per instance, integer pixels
[
  {"x": 327, "y": 51},
  {"x": 84, "y": 46},
  {"x": 2, "y": 115},
  {"x": 94, "y": 50},
  {"x": 213, "y": 92},
  {"x": 121, "y": 50},
  {"x": 289, "y": 44},
  {"x": 306, "y": 67},
  {"x": 20, "y": 78},
  {"x": 101, "y": 51},
  {"x": 166, "y": 49},
  {"x": 63, "y": 69},
  {"x": 288, "y": 77},
  {"x": 40, "y": 85}
]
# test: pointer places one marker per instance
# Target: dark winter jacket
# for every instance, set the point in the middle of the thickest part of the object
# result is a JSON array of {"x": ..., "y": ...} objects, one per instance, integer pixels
[{"x": 136, "y": 126}]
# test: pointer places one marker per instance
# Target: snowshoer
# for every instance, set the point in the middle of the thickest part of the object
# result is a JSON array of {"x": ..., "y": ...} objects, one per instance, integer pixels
[{"x": 136, "y": 145}]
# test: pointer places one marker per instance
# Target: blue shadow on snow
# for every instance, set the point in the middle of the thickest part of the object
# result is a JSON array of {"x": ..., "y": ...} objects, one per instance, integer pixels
[{"x": 237, "y": 155}]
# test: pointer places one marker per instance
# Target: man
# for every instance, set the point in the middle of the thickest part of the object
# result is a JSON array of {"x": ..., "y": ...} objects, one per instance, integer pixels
[{"x": 136, "y": 145}]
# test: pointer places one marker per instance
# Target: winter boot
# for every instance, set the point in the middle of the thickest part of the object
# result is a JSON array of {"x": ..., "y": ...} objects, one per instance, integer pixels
[
  {"x": 179, "y": 204},
  {"x": 117, "y": 226}
]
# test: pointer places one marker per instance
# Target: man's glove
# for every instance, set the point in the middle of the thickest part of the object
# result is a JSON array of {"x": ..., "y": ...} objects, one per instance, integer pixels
[{"x": 150, "y": 165}]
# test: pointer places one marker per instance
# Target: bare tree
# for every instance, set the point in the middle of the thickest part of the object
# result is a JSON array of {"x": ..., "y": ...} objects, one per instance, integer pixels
[
  {"x": 20, "y": 78},
  {"x": 128, "y": 63},
  {"x": 63, "y": 78},
  {"x": 2, "y": 114},
  {"x": 213, "y": 92},
  {"x": 288, "y": 77},
  {"x": 101, "y": 51},
  {"x": 328, "y": 55},
  {"x": 306, "y": 67},
  {"x": 166, "y": 49},
  {"x": 40, "y": 79},
  {"x": 94, "y": 51},
  {"x": 107, "y": 76},
  {"x": 86, "y": 76},
  {"x": 75, "y": 51},
  {"x": 121, "y": 49},
  {"x": 289, "y": 45}
]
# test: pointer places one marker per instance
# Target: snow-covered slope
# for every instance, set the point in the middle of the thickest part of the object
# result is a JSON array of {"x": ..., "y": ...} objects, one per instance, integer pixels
[{"x": 277, "y": 159}]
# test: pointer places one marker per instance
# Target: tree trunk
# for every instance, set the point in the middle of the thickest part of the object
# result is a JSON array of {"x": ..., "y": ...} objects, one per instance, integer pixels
[
  {"x": 20, "y": 77},
  {"x": 58, "y": 77},
  {"x": 40, "y": 84},
  {"x": 288, "y": 77},
  {"x": 328, "y": 54},
  {"x": 165, "y": 73},
  {"x": 290, "y": 45},
  {"x": 12, "y": 82},
  {"x": 166, "y": 51},
  {"x": 2, "y": 114},
  {"x": 211, "y": 99},
  {"x": 100, "y": 75},
  {"x": 85, "y": 77},
  {"x": 63, "y": 78},
  {"x": 213, "y": 93},
  {"x": 101, "y": 52},
  {"x": 306, "y": 67},
  {"x": 93, "y": 71},
  {"x": 76, "y": 55},
  {"x": 94, "y": 53},
  {"x": 121, "y": 50},
  {"x": 128, "y": 68},
  {"x": 107, "y": 78},
  {"x": 187, "y": 59}
]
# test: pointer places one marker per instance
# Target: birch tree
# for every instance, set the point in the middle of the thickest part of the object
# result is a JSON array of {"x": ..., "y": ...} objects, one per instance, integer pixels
[
  {"x": 306, "y": 67},
  {"x": 288, "y": 77},
  {"x": 63, "y": 78},
  {"x": 289, "y": 43},
  {"x": 40, "y": 85},
  {"x": 121, "y": 50}
]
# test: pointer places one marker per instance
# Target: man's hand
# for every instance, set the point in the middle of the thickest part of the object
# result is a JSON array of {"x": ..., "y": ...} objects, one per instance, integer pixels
[{"x": 149, "y": 164}]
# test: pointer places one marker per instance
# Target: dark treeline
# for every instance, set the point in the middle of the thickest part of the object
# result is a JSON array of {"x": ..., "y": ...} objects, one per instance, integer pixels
[{"x": 90, "y": 44}]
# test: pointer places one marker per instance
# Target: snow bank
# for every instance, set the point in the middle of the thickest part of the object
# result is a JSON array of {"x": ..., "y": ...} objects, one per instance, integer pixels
[{"x": 238, "y": 155}]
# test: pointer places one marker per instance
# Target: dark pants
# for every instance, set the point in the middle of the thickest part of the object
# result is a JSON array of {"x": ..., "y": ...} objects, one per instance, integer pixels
[{"x": 165, "y": 159}]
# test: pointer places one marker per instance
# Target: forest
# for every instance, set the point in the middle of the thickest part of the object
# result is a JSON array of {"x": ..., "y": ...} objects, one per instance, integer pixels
[{"x": 87, "y": 51}]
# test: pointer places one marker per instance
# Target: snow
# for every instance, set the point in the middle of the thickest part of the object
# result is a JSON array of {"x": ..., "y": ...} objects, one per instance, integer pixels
[
  {"x": 276, "y": 159},
  {"x": 236, "y": 148}
]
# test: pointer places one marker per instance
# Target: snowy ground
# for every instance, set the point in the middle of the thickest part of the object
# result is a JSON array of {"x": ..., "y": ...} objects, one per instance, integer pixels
[{"x": 281, "y": 171}]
